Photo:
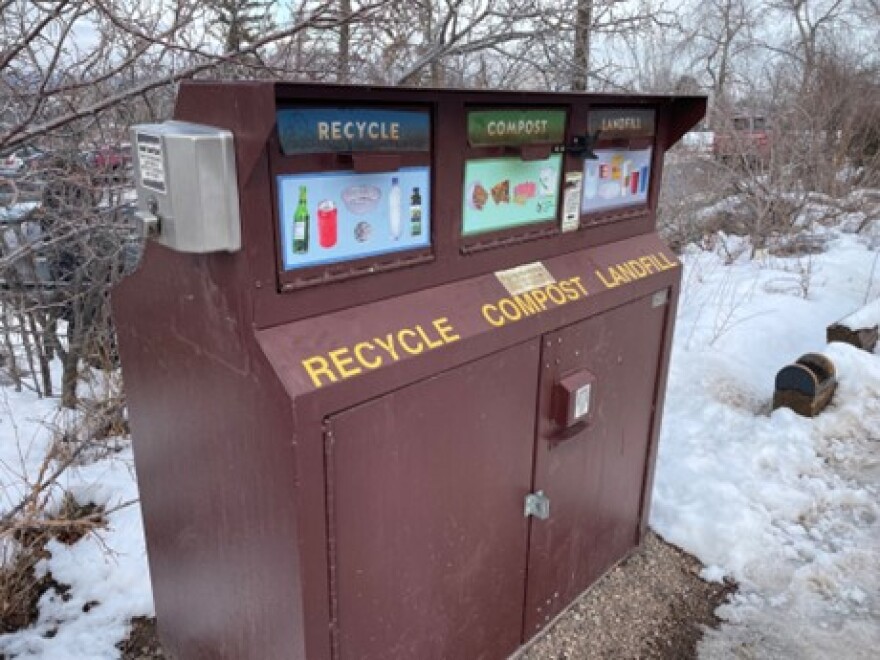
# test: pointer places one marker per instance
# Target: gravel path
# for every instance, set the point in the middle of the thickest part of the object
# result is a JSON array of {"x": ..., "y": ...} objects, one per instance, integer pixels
[{"x": 653, "y": 605}]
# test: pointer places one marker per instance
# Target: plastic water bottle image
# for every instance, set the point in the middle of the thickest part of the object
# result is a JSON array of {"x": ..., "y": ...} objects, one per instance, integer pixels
[
  {"x": 591, "y": 184},
  {"x": 394, "y": 210},
  {"x": 626, "y": 169}
]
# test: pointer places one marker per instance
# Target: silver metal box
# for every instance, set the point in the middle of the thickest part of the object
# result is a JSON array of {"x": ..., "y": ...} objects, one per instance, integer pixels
[{"x": 187, "y": 187}]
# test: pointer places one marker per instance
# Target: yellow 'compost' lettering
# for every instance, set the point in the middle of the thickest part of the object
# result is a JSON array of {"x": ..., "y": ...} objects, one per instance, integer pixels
[{"x": 514, "y": 308}]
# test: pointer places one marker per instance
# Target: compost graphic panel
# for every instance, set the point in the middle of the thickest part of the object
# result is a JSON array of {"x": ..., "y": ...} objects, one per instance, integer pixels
[{"x": 502, "y": 193}]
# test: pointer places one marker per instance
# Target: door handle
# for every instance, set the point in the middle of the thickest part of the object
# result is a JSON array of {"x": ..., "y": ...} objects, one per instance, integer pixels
[
  {"x": 537, "y": 505},
  {"x": 572, "y": 399}
]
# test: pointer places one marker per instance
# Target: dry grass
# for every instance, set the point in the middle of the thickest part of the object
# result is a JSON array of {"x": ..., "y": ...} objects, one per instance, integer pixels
[{"x": 25, "y": 538}]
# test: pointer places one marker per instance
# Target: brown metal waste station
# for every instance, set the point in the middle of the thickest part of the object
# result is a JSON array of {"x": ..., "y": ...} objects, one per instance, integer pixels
[{"x": 395, "y": 362}]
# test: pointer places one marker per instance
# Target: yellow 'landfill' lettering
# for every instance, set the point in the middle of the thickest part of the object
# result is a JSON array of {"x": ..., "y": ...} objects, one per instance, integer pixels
[{"x": 634, "y": 269}]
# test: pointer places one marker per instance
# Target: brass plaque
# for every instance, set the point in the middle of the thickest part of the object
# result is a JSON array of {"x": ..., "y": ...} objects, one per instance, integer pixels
[{"x": 525, "y": 278}]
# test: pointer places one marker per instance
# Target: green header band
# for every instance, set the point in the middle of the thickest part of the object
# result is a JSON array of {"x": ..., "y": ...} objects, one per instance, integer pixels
[{"x": 488, "y": 128}]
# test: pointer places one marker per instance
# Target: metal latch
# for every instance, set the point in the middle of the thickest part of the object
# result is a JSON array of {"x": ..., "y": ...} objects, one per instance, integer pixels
[
  {"x": 660, "y": 298},
  {"x": 581, "y": 146},
  {"x": 148, "y": 220},
  {"x": 537, "y": 505}
]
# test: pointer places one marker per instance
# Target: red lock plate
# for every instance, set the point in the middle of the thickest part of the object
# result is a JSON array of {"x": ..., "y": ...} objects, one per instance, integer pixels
[{"x": 574, "y": 398}]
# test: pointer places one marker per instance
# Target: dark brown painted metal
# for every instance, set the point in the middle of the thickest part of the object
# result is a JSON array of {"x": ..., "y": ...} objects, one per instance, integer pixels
[
  {"x": 248, "y": 111},
  {"x": 462, "y": 304},
  {"x": 250, "y": 475},
  {"x": 594, "y": 478},
  {"x": 214, "y": 461},
  {"x": 429, "y": 541},
  {"x": 659, "y": 398}
]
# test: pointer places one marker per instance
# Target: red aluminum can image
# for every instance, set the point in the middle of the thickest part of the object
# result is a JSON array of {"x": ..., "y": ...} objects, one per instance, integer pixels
[
  {"x": 327, "y": 223},
  {"x": 634, "y": 182}
]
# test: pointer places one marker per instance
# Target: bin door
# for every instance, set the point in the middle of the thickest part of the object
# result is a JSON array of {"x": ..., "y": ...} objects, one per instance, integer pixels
[
  {"x": 427, "y": 538},
  {"x": 593, "y": 472}
]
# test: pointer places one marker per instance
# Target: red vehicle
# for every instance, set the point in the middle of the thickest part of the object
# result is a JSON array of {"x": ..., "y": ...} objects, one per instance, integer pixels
[
  {"x": 748, "y": 138},
  {"x": 112, "y": 160}
]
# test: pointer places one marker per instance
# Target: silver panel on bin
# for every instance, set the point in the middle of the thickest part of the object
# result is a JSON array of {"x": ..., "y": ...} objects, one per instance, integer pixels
[{"x": 187, "y": 186}]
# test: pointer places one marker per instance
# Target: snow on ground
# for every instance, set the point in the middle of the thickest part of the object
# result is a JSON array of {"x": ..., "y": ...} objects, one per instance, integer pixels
[
  {"x": 12, "y": 213},
  {"x": 865, "y": 317},
  {"x": 107, "y": 571},
  {"x": 787, "y": 506},
  {"x": 24, "y": 441}
]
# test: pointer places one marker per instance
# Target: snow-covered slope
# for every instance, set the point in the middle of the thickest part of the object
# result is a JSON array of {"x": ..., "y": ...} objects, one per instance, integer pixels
[{"x": 785, "y": 505}]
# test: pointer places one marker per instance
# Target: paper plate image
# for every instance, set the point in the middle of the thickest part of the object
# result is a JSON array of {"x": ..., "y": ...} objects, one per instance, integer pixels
[{"x": 361, "y": 200}]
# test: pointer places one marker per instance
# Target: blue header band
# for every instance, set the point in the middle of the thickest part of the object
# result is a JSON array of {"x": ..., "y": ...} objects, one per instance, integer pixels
[{"x": 334, "y": 130}]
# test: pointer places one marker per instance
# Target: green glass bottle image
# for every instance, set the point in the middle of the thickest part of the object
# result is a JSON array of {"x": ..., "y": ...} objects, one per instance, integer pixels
[
  {"x": 415, "y": 213},
  {"x": 301, "y": 224}
]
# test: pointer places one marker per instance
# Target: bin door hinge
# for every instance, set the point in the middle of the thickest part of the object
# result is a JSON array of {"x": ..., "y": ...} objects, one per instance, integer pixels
[{"x": 537, "y": 505}]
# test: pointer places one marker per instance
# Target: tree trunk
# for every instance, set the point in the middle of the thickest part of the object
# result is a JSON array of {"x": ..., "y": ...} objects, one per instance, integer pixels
[
  {"x": 43, "y": 353},
  {"x": 11, "y": 365},
  {"x": 70, "y": 364},
  {"x": 343, "y": 64},
  {"x": 582, "y": 33},
  {"x": 435, "y": 72}
]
